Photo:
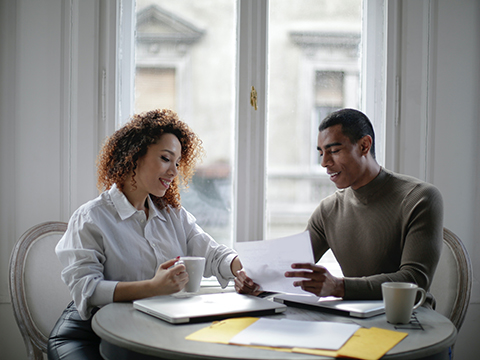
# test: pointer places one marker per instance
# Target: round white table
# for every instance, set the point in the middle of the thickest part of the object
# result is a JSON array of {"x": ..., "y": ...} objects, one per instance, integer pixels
[{"x": 130, "y": 334}]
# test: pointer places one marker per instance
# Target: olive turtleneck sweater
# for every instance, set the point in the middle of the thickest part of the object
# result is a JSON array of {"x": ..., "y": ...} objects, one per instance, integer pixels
[{"x": 388, "y": 230}]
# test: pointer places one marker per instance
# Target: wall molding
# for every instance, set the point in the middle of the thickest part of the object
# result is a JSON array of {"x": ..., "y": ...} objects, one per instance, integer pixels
[
  {"x": 428, "y": 84},
  {"x": 8, "y": 69}
]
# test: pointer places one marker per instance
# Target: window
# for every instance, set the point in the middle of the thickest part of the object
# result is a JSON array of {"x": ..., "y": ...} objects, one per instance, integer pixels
[{"x": 202, "y": 59}]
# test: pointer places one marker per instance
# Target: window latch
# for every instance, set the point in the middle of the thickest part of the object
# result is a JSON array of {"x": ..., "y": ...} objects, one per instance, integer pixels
[{"x": 253, "y": 98}]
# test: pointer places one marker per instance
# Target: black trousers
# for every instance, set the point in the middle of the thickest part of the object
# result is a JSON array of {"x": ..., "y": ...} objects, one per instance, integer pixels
[{"x": 73, "y": 338}]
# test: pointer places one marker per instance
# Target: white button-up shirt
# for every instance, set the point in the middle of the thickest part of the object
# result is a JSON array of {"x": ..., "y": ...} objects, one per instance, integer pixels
[{"x": 108, "y": 240}]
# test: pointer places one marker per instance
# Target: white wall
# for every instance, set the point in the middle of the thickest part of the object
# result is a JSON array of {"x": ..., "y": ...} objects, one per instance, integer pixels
[
  {"x": 49, "y": 49},
  {"x": 439, "y": 126},
  {"x": 457, "y": 166}
]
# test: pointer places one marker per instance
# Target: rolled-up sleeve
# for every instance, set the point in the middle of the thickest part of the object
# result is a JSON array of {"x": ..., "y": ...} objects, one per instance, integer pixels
[{"x": 81, "y": 253}]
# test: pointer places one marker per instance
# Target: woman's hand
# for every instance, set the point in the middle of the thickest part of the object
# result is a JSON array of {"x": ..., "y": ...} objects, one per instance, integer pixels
[
  {"x": 170, "y": 278},
  {"x": 318, "y": 281},
  {"x": 245, "y": 285}
]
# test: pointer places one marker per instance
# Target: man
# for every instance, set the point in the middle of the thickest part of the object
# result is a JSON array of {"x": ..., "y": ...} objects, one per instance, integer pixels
[{"x": 381, "y": 226}]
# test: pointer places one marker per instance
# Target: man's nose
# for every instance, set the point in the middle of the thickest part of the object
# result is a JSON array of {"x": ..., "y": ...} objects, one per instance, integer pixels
[{"x": 326, "y": 160}]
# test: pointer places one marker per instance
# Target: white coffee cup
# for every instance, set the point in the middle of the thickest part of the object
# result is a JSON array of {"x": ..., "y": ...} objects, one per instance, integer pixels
[
  {"x": 399, "y": 301},
  {"x": 194, "y": 266}
]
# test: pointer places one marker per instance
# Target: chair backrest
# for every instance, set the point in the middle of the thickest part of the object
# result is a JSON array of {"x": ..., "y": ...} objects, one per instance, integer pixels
[
  {"x": 37, "y": 292},
  {"x": 452, "y": 283}
]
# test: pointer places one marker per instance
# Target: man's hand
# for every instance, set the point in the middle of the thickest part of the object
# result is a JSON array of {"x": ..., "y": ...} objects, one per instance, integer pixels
[
  {"x": 245, "y": 285},
  {"x": 318, "y": 281}
]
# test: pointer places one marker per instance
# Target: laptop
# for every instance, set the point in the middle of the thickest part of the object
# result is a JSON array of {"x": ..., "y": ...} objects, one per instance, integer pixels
[
  {"x": 354, "y": 308},
  {"x": 181, "y": 309}
]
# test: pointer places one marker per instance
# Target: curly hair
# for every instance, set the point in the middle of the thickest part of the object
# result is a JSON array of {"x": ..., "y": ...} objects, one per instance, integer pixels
[{"x": 121, "y": 151}]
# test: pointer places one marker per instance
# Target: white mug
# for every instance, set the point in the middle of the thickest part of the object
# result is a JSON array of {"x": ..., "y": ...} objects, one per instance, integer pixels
[
  {"x": 399, "y": 299},
  {"x": 194, "y": 266}
]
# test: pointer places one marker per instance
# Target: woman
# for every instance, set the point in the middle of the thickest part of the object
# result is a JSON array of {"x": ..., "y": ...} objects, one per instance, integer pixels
[{"x": 123, "y": 245}]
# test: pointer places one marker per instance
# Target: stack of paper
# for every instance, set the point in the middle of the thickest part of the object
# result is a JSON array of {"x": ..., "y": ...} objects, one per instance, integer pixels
[
  {"x": 367, "y": 344},
  {"x": 294, "y": 333}
]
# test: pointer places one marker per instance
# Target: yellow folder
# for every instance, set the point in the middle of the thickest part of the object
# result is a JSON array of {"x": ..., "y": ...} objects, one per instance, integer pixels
[
  {"x": 366, "y": 344},
  {"x": 222, "y": 331}
]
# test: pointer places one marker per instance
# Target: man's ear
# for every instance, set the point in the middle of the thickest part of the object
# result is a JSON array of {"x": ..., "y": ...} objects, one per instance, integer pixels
[{"x": 365, "y": 144}]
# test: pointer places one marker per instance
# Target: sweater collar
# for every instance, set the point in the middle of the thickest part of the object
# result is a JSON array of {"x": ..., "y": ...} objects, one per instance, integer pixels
[{"x": 364, "y": 193}]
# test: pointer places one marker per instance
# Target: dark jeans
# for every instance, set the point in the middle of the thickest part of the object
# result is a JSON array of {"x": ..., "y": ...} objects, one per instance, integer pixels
[{"x": 73, "y": 338}]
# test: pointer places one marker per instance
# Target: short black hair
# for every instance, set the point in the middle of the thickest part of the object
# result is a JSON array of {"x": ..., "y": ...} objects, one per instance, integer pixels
[{"x": 355, "y": 125}]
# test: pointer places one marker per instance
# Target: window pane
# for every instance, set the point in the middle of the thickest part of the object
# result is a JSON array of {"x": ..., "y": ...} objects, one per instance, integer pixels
[
  {"x": 154, "y": 86},
  {"x": 314, "y": 66},
  {"x": 185, "y": 60},
  {"x": 329, "y": 88}
]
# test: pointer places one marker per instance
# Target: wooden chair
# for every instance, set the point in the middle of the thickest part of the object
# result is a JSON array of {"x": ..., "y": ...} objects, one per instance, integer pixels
[{"x": 37, "y": 292}]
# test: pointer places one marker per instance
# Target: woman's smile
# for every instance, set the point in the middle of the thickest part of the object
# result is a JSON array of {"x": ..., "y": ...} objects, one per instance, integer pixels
[{"x": 165, "y": 183}]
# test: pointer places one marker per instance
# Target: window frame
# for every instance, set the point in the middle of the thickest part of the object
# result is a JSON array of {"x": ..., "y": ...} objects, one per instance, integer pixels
[
  {"x": 250, "y": 139},
  {"x": 373, "y": 75}
]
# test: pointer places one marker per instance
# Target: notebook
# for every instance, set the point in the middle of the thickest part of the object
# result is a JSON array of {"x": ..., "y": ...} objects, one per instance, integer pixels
[
  {"x": 354, "y": 308},
  {"x": 178, "y": 309}
]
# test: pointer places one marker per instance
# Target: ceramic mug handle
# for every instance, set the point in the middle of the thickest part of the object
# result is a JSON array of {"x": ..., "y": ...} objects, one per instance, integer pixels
[{"x": 422, "y": 299}]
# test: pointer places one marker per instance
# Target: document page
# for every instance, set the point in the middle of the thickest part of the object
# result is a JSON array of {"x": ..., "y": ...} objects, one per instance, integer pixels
[
  {"x": 266, "y": 261},
  {"x": 294, "y": 333}
]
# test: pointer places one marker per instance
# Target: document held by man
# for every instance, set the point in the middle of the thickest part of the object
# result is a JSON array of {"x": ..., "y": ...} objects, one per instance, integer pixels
[{"x": 266, "y": 261}]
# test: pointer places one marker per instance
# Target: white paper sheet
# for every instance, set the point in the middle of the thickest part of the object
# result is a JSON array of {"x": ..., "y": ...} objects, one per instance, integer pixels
[
  {"x": 294, "y": 333},
  {"x": 266, "y": 262}
]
